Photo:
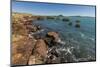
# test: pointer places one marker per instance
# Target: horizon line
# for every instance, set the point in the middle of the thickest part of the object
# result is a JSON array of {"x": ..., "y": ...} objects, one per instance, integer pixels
[{"x": 53, "y": 15}]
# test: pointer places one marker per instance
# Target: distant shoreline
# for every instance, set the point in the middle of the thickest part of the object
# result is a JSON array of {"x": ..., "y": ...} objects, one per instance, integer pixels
[{"x": 52, "y": 15}]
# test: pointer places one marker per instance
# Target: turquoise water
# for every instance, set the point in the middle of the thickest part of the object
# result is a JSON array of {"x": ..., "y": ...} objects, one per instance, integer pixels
[{"x": 79, "y": 42}]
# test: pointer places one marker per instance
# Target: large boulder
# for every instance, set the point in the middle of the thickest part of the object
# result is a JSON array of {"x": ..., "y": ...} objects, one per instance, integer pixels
[
  {"x": 35, "y": 59},
  {"x": 53, "y": 38},
  {"x": 54, "y": 35},
  {"x": 41, "y": 48},
  {"x": 77, "y": 25},
  {"x": 39, "y": 53}
]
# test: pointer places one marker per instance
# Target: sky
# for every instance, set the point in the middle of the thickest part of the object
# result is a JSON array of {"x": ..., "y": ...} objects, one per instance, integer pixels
[{"x": 38, "y": 8}]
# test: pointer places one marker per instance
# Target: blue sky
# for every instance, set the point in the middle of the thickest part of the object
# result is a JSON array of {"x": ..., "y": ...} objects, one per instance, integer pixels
[{"x": 37, "y": 8}]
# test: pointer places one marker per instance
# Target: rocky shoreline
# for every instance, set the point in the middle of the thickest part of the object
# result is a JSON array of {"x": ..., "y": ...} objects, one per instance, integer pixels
[{"x": 28, "y": 49}]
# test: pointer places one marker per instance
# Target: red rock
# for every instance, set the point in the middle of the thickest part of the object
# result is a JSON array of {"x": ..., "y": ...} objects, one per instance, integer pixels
[
  {"x": 34, "y": 59},
  {"x": 41, "y": 48},
  {"x": 21, "y": 51},
  {"x": 55, "y": 35}
]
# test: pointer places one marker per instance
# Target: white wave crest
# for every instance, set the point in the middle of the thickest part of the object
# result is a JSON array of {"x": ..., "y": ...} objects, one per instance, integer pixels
[{"x": 60, "y": 41}]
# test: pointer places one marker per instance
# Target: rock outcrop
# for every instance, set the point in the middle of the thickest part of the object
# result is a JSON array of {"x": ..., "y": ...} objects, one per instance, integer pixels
[
  {"x": 53, "y": 35},
  {"x": 39, "y": 54},
  {"x": 22, "y": 44},
  {"x": 29, "y": 49},
  {"x": 21, "y": 50},
  {"x": 35, "y": 59},
  {"x": 41, "y": 48}
]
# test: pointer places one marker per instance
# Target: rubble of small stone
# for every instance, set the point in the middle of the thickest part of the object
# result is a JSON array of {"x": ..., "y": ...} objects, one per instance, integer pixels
[{"x": 27, "y": 49}]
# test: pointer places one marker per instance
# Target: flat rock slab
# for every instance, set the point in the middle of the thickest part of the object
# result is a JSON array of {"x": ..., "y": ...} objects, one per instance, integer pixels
[{"x": 21, "y": 51}]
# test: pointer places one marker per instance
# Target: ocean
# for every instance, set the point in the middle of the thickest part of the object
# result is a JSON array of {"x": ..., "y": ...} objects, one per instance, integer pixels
[{"x": 79, "y": 44}]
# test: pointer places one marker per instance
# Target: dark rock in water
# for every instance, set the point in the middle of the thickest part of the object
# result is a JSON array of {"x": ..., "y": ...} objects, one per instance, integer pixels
[
  {"x": 77, "y": 25},
  {"x": 49, "y": 41},
  {"x": 37, "y": 36},
  {"x": 40, "y": 18},
  {"x": 54, "y": 35},
  {"x": 50, "y": 17},
  {"x": 53, "y": 56},
  {"x": 77, "y": 21},
  {"x": 33, "y": 28},
  {"x": 70, "y": 23},
  {"x": 53, "y": 59},
  {"x": 36, "y": 28},
  {"x": 54, "y": 51},
  {"x": 70, "y": 58},
  {"x": 53, "y": 39},
  {"x": 66, "y": 19}
]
